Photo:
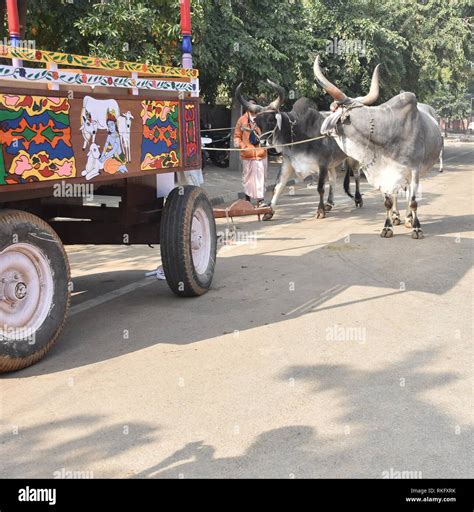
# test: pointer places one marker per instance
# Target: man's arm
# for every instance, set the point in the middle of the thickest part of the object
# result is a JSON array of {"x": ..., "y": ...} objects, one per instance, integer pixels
[{"x": 238, "y": 142}]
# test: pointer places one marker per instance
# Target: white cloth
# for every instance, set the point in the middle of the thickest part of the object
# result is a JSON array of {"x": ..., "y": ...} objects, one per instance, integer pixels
[
  {"x": 159, "y": 273},
  {"x": 253, "y": 177}
]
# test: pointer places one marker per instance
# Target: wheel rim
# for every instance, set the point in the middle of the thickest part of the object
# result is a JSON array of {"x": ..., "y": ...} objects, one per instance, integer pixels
[
  {"x": 26, "y": 290},
  {"x": 201, "y": 240}
]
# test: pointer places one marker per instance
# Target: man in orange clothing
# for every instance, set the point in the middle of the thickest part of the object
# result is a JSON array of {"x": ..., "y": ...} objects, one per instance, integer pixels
[{"x": 254, "y": 158}]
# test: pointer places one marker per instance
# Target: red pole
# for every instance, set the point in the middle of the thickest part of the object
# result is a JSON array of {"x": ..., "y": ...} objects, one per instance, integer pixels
[
  {"x": 186, "y": 46},
  {"x": 13, "y": 20},
  {"x": 14, "y": 28},
  {"x": 185, "y": 9}
]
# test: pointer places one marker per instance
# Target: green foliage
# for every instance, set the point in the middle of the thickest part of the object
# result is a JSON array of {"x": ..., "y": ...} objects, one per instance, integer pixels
[
  {"x": 452, "y": 105},
  {"x": 146, "y": 30},
  {"x": 50, "y": 23},
  {"x": 424, "y": 46},
  {"x": 250, "y": 41}
]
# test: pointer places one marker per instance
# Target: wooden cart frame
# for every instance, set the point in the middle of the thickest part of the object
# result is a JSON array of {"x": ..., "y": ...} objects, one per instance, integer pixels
[{"x": 117, "y": 129}]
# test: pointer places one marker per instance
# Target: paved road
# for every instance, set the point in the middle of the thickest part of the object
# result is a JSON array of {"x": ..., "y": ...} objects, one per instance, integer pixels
[{"x": 321, "y": 351}]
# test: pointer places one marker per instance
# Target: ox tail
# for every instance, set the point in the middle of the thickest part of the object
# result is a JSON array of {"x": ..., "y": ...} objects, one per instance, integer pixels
[{"x": 347, "y": 181}]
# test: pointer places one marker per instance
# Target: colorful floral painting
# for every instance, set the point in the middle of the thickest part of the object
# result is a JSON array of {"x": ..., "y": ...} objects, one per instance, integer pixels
[
  {"x": 35, "y": 139},
  {"x": 160, "y": 138}
]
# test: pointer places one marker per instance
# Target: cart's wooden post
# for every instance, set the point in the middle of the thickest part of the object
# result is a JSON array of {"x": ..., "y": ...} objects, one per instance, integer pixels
[{"x": 52, "y": 66}]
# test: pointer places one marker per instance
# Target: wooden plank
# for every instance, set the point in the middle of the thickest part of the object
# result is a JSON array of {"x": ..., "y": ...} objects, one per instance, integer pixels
[
  {"x": 64, "y": 59},
  {"x": 114, "y": 72},
  {"x": 55, "y": 78},
  {"x": 101, "y": 233}
]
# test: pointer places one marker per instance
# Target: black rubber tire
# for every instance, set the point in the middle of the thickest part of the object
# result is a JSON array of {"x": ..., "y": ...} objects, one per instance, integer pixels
[
  {"x": 29, "y": 229},
  {"x": 175, "y": 241}
]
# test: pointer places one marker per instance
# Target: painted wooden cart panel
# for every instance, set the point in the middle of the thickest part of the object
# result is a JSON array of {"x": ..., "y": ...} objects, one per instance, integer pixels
[{"x": 46, "y": 137}]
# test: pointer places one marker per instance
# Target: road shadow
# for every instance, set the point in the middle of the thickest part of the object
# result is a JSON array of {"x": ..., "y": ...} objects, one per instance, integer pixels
[
  {"x": 46, "y": 450},
  {"x": 386, "y": 429},
  {"x": 273, "y": 284}
]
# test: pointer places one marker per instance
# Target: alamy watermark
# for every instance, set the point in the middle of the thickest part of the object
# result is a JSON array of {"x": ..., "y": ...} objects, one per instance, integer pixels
[
  {"x": 9, "y": 332},
  {"x": 68, "y": 474},
  {"x": 64, "y": 189},
  {"x": 237, "y": 237},
  {"x": 342, "y": 333},
  {"x": 403, "y": 474},
  {"x": 336, "y": 46},
  {"x": 22, "y": 44}
]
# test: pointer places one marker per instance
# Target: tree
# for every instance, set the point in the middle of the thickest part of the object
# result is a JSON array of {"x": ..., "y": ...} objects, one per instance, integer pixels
[
  {"x": 51, "y": 26},
  {"x": 424, "y": 46},
  {"x": 145, "y": 30},
  {"x": 248, "y": 41}
]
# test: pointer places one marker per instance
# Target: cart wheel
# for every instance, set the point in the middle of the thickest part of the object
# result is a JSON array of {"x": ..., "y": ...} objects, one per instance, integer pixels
[
  {"x": 34, "y": 289},
  {"x": 188, "y": 241}
]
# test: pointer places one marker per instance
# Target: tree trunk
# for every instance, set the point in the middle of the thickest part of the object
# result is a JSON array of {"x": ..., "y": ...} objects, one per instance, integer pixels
[
  {"x": 234, "y": 158},
  {"x": 22, "y": 5}
]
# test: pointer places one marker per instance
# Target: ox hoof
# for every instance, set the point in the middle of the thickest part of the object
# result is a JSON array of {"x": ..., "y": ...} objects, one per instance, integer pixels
[
  {"x": 268, "y": 216},
  {"x": 396, "y": 221},
  {"x": 359, "y": 203},
  {"x": 321, "y": 214},
  {"x": 328, "y": 207},
  {"x": 417, "y": 234},
  {"x": 386, "y": 233}
]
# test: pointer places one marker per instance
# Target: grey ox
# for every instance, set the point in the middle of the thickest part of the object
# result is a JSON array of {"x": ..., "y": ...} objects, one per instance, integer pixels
[
  {"x": 395, "y": 143},
  {"x": 317, "y": 157}
]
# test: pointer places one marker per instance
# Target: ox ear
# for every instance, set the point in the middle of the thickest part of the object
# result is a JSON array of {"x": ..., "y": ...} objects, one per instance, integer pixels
[{"x": 278, "y": 120}]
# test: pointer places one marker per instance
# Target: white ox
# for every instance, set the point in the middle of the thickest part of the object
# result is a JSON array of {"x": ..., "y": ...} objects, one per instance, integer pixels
[
  {"x": 396, "y": 142},
  {"x": 94, "y": 117}
]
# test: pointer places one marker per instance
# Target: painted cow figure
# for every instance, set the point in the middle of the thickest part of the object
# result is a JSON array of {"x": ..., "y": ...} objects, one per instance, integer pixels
[
  {"x": 94, "y": 117},
  {"x": 396, "y": 143}
]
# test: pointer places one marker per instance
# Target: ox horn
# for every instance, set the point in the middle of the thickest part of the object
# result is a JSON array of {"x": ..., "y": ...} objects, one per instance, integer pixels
[
  {"x": 330, "y": 88},
  {"x": 276, "y": 104},
  {"x": 250, "y": 107},
  {"x": 374, "y": 89}
]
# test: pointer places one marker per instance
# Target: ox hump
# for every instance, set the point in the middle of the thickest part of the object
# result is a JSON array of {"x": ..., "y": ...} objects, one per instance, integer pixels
[{"x": 403, "y": 101}]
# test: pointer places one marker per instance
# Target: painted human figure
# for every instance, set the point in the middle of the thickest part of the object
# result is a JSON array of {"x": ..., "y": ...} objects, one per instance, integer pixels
[{"x": 111, "y": 158}]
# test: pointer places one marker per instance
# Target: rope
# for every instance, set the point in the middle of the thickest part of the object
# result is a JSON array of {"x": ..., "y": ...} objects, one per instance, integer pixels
[
  {"x": 265, "y": 147},
  {"x": 218, "y": 130}
]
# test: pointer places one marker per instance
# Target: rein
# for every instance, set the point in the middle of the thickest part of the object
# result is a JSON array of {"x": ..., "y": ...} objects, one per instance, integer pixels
[
  {"x": 269, "y": 147},
  {"x": 292, "y": 143}
]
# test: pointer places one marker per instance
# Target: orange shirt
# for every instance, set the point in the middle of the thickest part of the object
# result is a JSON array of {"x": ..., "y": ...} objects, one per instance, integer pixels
[{"x": 242, "y": 139}]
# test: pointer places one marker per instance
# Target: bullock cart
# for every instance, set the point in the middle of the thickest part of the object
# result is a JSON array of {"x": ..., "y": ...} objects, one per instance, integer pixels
[{"x": 73, "y": 128}]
